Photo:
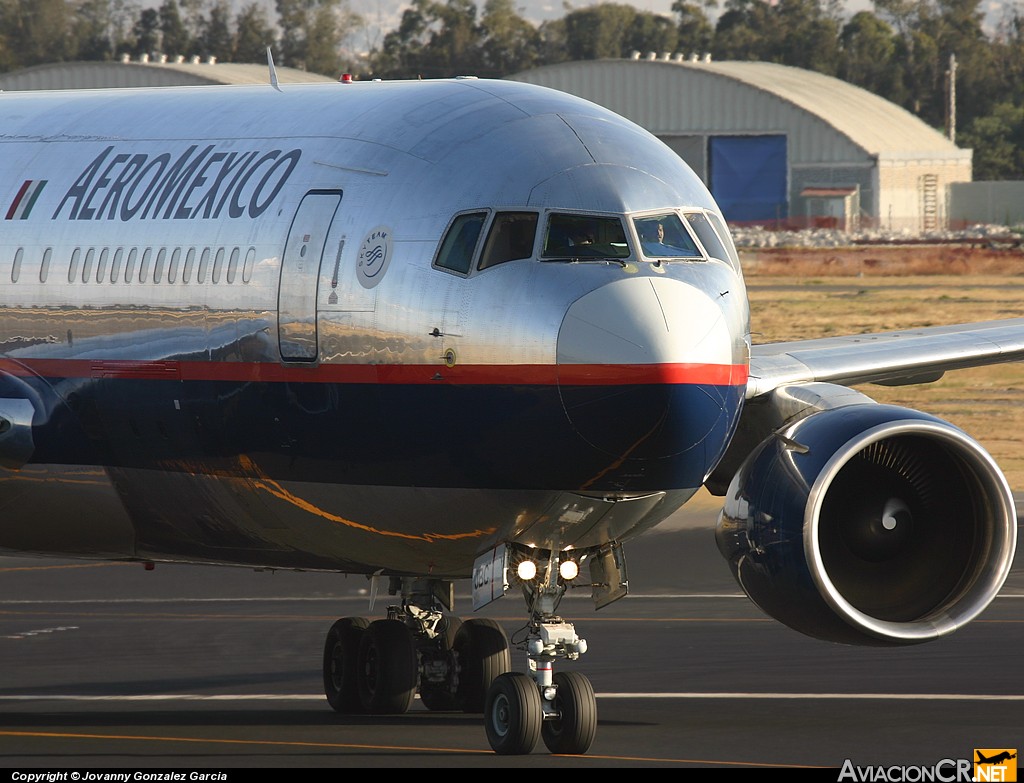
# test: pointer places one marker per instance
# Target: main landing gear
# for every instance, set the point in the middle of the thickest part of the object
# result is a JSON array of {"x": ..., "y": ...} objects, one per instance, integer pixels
[{"x": 377, "y": 667}]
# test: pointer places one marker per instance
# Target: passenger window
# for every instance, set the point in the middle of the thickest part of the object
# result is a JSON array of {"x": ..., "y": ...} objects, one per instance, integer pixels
[
  {"x": 44, "y": 267},
  {"x": 510, "y": 238},
  {"x": 663, "y": 236},
  {"x": 101, "y": 265},
  {"x": 115, "y": 265},
  {"x": 585, "y": 236},
  {"x": 16, "y": 268},
  {"x": 73, "y": 266},
  {"x": 190, "y": 260},
  {"x": 247, "y": 267},
  {"x": 460, "y": 242},
  {"x": 90, "y": 254},
  {"x": 129, "y": 264},
  {"x": 218, "y": 264},
  {"x": 204, "y": 264},
  {"x": 147, "y": 254},
  {"x": 158, "y": 268},
  {"x": 233, "y": 265},
  {"x": 172, "y": 268}
]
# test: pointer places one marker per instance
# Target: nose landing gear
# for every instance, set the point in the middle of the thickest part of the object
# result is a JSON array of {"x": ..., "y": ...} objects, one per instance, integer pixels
[{"x": 559, "y": 708}]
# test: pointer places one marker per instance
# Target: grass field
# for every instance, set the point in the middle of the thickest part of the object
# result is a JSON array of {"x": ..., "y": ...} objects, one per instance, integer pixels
[{"x": 987, "y": 403}]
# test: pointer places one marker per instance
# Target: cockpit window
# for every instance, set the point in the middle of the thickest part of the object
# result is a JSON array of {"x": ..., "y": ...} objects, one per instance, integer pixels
[
  {"x": 510, "y": 238},
  {"x": 460, "y": 241},
  {"x": 663, "y": 236},
  {"x": 584, "y": 236},
  {"x": 708, "y": 237},
  {"x": 723, "y": 232}
]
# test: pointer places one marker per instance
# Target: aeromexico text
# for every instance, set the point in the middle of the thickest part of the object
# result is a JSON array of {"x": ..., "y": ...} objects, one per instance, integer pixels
[{"x": 201, "y": 183}]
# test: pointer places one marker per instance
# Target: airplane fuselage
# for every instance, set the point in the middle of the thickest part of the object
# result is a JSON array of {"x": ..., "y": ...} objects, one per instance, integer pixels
[{"x": 237, "y": 319}]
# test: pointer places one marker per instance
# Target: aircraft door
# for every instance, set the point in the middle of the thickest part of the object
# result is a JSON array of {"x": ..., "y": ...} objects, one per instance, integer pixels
[{"x": 300, "y": 272}]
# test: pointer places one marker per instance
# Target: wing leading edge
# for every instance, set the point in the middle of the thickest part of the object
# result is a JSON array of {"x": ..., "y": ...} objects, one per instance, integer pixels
[{"x": 888, "y": 358}]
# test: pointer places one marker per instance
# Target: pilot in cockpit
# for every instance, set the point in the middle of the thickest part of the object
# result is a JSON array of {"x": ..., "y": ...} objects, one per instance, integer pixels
[{"x": 657, "y": 242}]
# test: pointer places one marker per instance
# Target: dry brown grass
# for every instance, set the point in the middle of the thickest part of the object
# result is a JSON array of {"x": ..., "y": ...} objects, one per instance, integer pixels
[{"x": 987, "y": 402}]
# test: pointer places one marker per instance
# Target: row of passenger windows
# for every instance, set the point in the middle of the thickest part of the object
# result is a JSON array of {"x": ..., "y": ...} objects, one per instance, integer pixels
[
  {"x": 575, "y": 237},
  {"x": 130, "y": 265}
]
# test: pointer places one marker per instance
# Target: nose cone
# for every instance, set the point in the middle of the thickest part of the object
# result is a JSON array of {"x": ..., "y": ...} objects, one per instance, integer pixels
[{"x": 646, "y": 371}]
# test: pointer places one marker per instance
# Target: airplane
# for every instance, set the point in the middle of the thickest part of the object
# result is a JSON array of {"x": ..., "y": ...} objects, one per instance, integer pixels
[
  {"x": 346, "y": 328},
  {"x": 996, "y": 759}
]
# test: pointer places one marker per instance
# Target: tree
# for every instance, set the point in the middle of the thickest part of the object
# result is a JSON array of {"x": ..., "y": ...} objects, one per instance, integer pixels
[
  {"x": 174, "y": 37},
  {"x": 651, "y": 33},
  {"x": 598, "y": 31},
  {"x": 312, "y": 32},
  {"x": 323, "y": 42},
  {"x": 510, "y": 43},
  {"x": 998, "y": 143},
  {"x": 745, "y": 31},
  {"x": 253, "y": 34},
  {"x": 867, "y": 54},
  {"x": 807, "y": 35},
  {"x": 553, "y": 47},
  {"x": 36, "y": 32},
  {"x": 146, "y": 33},
  {"x": 215, "y": 37},
  {"x": 434, "y": 39},
  {"x": 695, "y": 29},
  {"x": 92, "y": 24},
  {"x": 958, "y": 31}
]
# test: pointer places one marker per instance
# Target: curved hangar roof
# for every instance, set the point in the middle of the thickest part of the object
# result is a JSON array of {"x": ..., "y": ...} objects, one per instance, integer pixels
[
  {"x": 672, "y": 96},
  {"x": 102, "y": 75}
]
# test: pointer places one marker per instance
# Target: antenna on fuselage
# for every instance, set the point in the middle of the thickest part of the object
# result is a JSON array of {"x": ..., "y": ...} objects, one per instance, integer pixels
[{"x": 273, "y": 70}]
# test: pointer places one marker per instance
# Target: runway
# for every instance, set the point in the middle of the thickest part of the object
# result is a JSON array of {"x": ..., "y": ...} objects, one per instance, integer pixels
[{"x": 111, "y": 666}]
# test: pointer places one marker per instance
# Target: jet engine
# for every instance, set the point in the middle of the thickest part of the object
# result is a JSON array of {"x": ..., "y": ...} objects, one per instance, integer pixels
[{"x": 869, "y": 524}]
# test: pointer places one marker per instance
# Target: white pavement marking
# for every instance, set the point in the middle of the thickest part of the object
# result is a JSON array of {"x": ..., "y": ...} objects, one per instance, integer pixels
[{"x": 185, "y": 697}]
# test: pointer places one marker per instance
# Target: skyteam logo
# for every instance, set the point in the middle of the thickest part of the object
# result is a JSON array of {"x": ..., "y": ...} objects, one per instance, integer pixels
[
  {"x": 374, "y": 255},
  {"x": 26, "y": 199},
  {"x": 995, "y": 764}
]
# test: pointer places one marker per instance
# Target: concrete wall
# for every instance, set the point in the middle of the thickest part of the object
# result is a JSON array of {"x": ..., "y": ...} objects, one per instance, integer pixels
[
  {"x": 913, "y": 193},
  {"x": 1001, "y": 203}
]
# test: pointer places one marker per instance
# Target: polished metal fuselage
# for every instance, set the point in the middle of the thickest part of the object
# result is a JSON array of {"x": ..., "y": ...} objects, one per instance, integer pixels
[{"x": 223, "y": 307}]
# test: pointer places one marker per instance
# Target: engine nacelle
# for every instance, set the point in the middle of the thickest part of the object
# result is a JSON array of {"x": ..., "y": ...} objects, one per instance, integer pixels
[{"x": 870, "y": 524}]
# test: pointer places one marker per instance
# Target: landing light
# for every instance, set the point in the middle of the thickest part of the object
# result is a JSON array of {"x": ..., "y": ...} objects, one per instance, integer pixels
[
  {"x": 526, "y": 570},
  {"x": 568, "y": 569}
]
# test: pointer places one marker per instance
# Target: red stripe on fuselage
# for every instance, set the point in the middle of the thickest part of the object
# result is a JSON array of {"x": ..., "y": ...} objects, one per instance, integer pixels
[{"x": 469, "y": 374}]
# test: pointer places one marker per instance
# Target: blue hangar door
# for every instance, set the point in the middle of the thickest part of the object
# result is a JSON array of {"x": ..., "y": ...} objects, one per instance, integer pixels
[{"x": 748, "y": 177}]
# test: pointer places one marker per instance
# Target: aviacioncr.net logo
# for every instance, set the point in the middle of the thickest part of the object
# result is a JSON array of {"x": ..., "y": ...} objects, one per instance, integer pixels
[
  {"x": 944, "y": 771},
  {"x": 995, "y": 764}
]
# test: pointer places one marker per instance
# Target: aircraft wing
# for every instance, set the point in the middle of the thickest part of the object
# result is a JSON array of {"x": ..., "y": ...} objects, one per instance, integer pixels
[{"x": 888, "y": 358}]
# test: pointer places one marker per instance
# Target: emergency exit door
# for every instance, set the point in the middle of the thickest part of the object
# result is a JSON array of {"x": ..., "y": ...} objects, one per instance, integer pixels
[{"x": 300, "y": 273}]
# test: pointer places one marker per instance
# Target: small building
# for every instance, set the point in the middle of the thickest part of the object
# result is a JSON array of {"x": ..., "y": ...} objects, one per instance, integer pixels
[{"x": 780, "y": 146}]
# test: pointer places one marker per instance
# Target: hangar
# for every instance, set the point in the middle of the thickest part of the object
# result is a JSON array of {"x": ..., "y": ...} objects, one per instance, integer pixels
[
  {"x": 147, "y": 72},
  {"x": 780, "y": 146}
]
